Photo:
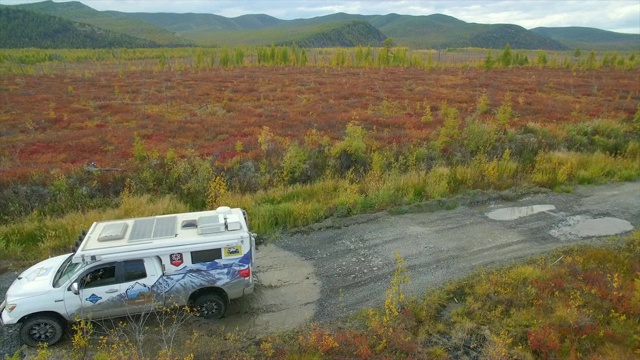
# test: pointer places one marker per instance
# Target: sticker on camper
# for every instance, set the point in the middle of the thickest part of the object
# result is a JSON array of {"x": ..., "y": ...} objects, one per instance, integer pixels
[
  {"x": 176, "y": 259},
  {"x": 138, "y": 294},
  {"x": 232, "y": 251}
]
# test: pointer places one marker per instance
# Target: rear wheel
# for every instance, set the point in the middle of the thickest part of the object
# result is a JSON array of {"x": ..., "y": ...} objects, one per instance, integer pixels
[
  {"x": 41, "y": 329},
  {"x": 210, "y": 306}
]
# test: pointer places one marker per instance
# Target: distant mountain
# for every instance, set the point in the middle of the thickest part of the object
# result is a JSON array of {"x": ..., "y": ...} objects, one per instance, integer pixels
[
  {"x": 420, "y": 32},
  {"x": 432, "y": 31},
  {"x": 21, "y": 29},
  {"x": 441, "y": 31},
  {"x": 185, "y": 22},
  {"x": 108, "y": 20},
  {"x": 344, "y": 34},
  {"x": 590, "y": 39},
  {"x": 326, "y": 34}
]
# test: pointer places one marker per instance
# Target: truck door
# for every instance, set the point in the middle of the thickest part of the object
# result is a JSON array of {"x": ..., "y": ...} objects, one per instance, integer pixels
[
  {"x": 98, "y": 290},
  {"x": 115, "y": 289},
  {"x": 137, "y": 278}
]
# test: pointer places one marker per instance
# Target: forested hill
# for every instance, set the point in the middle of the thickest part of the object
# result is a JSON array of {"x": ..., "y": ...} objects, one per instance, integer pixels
[
  {"x": 442, "y": 31},
  {"x": 22, "y": 29},
  {"x": 108, "y": 20},
  {"x": 432, "y": 31},
  {"x": 184, "y": 22},
  {"x": 589, "y": 38},
  {"x": 346, "y": 34}
]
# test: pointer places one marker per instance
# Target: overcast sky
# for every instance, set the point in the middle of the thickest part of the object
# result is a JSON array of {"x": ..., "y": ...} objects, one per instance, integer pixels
[{"x": 613, "y": 15}]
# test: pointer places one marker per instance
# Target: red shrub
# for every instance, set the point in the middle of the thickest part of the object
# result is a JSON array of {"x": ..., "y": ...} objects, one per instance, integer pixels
[{"x": 545, "y": 341}]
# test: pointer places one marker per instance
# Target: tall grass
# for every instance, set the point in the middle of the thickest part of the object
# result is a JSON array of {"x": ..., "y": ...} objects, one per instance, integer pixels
[
  {"x": 553, "y": 169},
  {"x": 290, "y": 206},
  {"x": 297, "y": 205},
  {"x": 38, "y": 237}
]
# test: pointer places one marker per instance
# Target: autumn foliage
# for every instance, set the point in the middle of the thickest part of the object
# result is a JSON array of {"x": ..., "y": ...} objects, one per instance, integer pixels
[
  {"x": 332, "y": 136},
  {"x": 88, "y": 112}
]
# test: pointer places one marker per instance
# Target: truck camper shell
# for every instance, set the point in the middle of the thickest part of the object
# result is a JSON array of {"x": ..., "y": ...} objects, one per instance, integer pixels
[{"x": 157, "y": 235}]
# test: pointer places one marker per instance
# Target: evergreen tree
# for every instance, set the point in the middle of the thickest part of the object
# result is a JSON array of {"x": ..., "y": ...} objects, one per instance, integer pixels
[
  {"x": 506, "y": 59},
  {"x": 489, "y": 61}
]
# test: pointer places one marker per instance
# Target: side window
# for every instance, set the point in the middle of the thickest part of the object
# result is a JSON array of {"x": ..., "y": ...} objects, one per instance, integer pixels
[
  {"x": 102, "y": 276},
  {"x": 134, "y": 270},
  {"x": 203, "y": 256}
]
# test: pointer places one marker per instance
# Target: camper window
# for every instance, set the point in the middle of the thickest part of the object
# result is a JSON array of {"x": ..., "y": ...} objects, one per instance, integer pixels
[{"x": 203, "y": 256}]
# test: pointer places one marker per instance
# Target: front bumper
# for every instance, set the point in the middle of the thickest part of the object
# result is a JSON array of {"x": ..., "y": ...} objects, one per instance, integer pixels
[
  {"x": 5, "y": 316},
  {"x": 2, "y": 307}
]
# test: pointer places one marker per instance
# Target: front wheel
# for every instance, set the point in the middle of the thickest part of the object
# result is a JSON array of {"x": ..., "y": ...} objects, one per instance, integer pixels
[
  {"x": 42, "y": 329},
  {"x": 210, "y": 306}
]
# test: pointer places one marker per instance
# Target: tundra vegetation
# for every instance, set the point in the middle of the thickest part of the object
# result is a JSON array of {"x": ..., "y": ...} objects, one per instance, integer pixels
[{"x": 298, "y": 135}]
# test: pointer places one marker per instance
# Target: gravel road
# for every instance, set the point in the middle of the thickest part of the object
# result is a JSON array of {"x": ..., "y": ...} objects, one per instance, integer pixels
[
  {"x": 355, "y": 263},
  {"x": 334, "y": 268}
]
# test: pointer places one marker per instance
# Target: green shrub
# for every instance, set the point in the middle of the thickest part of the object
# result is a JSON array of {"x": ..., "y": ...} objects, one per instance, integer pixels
[
  {"x": 437, "y": 183},
  {"x": 601, "y": 135}
]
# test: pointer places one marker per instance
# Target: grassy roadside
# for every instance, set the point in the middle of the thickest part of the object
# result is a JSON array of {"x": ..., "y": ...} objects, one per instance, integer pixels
[
  {"x": 291, "y": 206},
  {"x": 38, "y": 237}
]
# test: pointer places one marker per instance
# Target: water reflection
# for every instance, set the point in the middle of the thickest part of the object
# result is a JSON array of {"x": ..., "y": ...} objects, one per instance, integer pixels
[{"x": 512, "y": 213}]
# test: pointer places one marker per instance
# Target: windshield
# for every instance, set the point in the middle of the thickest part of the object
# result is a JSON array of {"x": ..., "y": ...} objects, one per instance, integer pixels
[{"x": 65, "y": 271}]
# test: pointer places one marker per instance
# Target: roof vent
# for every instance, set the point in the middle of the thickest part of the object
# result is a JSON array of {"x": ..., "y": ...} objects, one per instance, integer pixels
[
  {"x": 189, "y": 224},
  {"x": 211, "y": 224},
  {"x": 233, "y": 222},
  {"x": 111, "y": 232},
  {"x": 223, "y": 210}
]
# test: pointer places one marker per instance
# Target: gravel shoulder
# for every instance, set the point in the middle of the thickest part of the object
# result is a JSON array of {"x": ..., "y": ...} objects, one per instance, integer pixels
[{"x": 331, "y": 269}]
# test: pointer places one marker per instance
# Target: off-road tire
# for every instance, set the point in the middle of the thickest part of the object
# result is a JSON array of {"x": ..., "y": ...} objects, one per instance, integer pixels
[
  {"x": 210, "y": 306},
  {"x": 41, "y": 329}
]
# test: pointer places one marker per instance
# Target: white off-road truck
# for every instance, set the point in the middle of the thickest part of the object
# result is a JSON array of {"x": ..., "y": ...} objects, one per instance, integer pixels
[{"x": 125, "y": 267}]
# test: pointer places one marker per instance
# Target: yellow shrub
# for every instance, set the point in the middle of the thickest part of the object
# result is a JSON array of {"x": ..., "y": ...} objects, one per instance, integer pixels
[
  {"x": 437, "y": 182},
  {"x": 555, "y": 168}
]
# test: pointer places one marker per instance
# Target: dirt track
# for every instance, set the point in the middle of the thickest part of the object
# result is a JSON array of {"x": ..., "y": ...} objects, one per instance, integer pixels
[{"x": 334, "y": 268}]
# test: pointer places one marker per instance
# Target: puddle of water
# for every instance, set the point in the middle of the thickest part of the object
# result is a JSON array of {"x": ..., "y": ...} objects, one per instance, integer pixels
[
  {"x": 512, "y": 213},
  {"x": 581, "y": 227}
]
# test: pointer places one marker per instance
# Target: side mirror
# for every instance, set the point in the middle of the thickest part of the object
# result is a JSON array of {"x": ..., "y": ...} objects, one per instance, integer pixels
[{"x": 74, "y": 288}]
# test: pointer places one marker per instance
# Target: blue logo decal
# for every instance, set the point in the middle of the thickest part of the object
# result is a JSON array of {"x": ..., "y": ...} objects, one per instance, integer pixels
[{"x": 93, "y": 298}]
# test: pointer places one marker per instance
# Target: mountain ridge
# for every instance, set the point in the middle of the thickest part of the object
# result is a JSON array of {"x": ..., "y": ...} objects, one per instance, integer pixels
[
  {"x": 435, "y": 31},
  {"x": 579, "y": 37},
  {"x": 113, "y": 21}
]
